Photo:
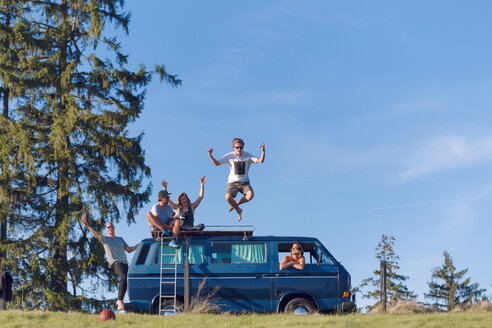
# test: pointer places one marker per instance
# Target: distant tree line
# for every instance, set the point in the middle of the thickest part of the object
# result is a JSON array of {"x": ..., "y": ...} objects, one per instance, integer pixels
[
  {"x": 67, "y": 101},
  {"x": 448, "y": 287}
]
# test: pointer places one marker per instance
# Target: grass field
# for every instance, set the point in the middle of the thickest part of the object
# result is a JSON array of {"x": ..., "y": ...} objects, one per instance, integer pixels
[{"x": 72, "y": 320}]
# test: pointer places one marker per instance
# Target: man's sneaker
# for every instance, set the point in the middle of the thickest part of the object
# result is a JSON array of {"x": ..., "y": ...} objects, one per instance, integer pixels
[{"x": 174, "y": 244}]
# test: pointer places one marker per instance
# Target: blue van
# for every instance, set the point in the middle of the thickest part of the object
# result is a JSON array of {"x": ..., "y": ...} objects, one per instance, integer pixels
[{"x": 240, "y": 273}]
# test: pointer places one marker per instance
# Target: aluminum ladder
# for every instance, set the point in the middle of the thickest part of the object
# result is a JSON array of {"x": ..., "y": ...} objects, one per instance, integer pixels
[{"x": 167, "y": 268}]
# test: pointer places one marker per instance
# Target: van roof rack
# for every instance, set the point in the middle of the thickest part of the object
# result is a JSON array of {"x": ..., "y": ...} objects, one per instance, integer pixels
[{"x": 214, "y": 231}]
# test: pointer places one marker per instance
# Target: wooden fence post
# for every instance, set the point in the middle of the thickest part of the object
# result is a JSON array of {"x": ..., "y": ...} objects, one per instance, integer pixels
[
  {"x": 186, "y": 278},
  {"x": 383, "y": 295}
]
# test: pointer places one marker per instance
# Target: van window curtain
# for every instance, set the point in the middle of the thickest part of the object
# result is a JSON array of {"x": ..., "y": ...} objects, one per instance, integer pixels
[
  {"x": 195, "y": 254},
  {"x": 248, "y": 253},
  {"x": 169, "y": 259}
]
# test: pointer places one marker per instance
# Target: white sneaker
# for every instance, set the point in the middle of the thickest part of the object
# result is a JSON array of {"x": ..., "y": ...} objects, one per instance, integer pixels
[{"x": 174, "y": 244}]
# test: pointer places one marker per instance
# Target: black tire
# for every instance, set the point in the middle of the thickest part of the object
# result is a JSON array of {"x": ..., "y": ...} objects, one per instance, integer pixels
[
  {"x": 168, "y": 306},
  {"x": 130, "y": 307},
  {"x": 300, "y": 306}
]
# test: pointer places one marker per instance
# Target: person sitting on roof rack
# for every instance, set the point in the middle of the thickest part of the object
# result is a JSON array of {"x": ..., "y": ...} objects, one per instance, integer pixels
[
  {"x": 185, "y": 209},
  {"x": 162, "y": 218},
  {"x": 295, "y": 259}
]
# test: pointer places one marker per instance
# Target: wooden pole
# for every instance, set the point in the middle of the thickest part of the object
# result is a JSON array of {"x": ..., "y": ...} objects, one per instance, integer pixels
[
  {"x": 186, "y": 278},
  {"x": 3, "y": 294},
  {"x": 383, "y": 295}
]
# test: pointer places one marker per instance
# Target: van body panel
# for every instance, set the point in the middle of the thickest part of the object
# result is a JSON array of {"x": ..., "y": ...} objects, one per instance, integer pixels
[
  {"x": 242, "y": 274},
  {"x": 320, "y": 281}
]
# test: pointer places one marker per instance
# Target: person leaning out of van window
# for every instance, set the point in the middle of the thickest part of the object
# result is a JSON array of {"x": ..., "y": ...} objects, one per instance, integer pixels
[{"x": 295, "y": 259}]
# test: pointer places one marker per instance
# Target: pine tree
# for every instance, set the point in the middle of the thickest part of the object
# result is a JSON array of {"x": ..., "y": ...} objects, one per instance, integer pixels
[
  {"x": 449, "y": 288},
  {"x": 395, "y": 282},
  {"x": 70, "y": 132}
]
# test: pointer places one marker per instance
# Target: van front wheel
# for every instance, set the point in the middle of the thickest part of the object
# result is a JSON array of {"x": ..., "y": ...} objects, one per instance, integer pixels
[{"x": 300, "y": 306}]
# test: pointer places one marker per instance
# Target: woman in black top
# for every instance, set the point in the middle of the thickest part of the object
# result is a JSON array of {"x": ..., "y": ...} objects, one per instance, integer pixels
[{"x": 185, "y": 209}]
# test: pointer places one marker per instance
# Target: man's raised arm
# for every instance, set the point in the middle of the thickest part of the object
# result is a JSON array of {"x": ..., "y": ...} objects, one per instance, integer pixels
[
  {"x": 85, "y": 223},
  {"x": 262, "y": 157},
  {"x": 216, "y": 162}
]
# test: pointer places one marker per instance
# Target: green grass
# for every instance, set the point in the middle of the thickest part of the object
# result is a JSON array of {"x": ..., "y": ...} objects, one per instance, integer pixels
[{"x": 16, "y": 319}]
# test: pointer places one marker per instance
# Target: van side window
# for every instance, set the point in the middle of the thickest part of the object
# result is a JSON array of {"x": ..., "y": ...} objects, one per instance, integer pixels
[
  {"x": 238, "y": 253},
  {"x": 195, "y": 255},
  {"x": 284, "y": 250},
  {"x": 144, "y": 251},
  {"x": 313, "y": 253}
]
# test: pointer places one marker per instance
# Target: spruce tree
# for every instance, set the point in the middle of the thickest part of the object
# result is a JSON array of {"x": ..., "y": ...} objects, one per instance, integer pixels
[
  {"x": 70, "y": 130},
  {"x": 13, "y": 83},
  {"x": 449, "y": 288},
  {"x": 395, "y": 282}
]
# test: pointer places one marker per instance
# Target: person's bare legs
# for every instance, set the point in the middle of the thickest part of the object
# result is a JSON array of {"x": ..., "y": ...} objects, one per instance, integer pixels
[
  {"x": 246, "y": 198},
  {"x": 175, "y": 229},
  {"x": 233, "y": 204}
]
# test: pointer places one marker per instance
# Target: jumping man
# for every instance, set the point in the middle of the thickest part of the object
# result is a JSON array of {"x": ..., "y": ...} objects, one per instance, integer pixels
[{"x": 238, "y": 181}]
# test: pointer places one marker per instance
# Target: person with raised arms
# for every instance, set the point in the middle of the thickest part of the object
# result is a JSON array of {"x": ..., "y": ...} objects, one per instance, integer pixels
[
  {"x": 238, "y": 180},
  {"x": 115, "y": 248},
  {"x": 185, "y": 209}
]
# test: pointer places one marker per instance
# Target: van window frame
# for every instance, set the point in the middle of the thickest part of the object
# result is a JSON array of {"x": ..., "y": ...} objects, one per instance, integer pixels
[
  {"x": 315, "y": 245},
  {"x": 158, "y": 253},
  {"x": 264, "y": 243}
]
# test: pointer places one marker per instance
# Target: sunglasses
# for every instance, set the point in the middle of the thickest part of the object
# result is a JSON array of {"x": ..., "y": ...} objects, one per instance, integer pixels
[
  {"x": 110, "y": 227},
  {"x": 241, "y": 147}
]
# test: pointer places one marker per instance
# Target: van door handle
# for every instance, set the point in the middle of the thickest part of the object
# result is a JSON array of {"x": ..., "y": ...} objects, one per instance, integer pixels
[{"x": 260, "y": 275}]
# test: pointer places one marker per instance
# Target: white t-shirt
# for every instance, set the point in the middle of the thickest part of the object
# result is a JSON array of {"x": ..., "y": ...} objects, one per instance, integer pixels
[
  {"x": 239, "y": 166},
  {"x": 164, "y": 215}
]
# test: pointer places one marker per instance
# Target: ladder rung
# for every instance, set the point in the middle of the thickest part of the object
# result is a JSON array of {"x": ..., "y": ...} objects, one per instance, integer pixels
[
  {"x": 168, "y": 282},
  {"x": 167, "y": 269},
  {"x": 167, "y": 296},
  {"x": 168, "y": 255}
]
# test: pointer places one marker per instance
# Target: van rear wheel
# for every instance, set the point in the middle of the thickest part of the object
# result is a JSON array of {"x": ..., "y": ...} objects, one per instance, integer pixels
[
  {"x": 300, "y": 306},
  {"x": 168, "y": 307}
]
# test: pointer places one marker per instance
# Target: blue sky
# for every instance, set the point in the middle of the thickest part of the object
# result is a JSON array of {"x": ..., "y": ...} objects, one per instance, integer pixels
[{"x": 375, "y": 115}]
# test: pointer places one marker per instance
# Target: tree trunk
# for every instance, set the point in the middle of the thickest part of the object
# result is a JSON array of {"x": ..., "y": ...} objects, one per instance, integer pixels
[
  {"x": 5, "y": 113},
  {"x": 59, "y": 276}
]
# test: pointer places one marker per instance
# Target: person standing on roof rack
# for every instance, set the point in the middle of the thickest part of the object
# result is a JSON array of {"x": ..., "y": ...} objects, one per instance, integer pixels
[
  {"x": 115, "y": 248},
  {"x": 238, "y": 180},
  {"x": 185, "y": 209},
  {"x": 162, "y": 218}
]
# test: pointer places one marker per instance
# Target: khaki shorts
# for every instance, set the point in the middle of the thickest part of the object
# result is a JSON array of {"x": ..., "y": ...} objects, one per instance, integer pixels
[{"x": 234, "y": 187}]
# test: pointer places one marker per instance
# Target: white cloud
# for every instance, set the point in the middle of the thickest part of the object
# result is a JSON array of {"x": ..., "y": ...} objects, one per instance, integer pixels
[
  {"x": 423, "y": 104},
  {"x": 269, "y": 98},
  {"x": 429, "y": 203},
  {"x": 446, "y": 153}
]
